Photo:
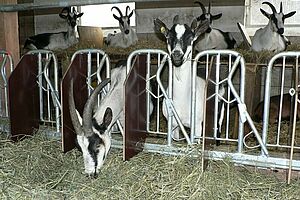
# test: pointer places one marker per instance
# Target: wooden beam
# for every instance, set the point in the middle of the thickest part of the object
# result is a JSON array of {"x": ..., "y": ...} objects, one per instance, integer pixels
[{"x": 9, "y": 36}]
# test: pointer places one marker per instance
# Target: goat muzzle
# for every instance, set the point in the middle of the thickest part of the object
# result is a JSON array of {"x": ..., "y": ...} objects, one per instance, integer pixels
[{"x": 280, "y": 31}]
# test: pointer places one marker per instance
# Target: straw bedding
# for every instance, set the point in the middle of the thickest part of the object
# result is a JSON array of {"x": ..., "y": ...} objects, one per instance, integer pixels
[{"x": 35, "y": 168}]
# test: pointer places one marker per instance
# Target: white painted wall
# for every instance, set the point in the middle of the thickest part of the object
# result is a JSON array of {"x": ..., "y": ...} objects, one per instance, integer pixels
[{"x": 231, "y": 15}]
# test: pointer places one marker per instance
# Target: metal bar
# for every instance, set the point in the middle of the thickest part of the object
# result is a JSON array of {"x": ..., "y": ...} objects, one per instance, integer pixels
[
  {"x": 60, "y": 4},
  {"x": 294, "y": 119},
  {"x": 281, "y": 100}
]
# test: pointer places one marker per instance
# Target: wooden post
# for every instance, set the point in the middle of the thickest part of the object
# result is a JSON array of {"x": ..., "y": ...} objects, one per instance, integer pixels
[{"x": 9, "y": 32}]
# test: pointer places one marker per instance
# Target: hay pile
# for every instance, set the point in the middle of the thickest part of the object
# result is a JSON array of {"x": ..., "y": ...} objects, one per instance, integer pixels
[{"x": 35, "y": 168}]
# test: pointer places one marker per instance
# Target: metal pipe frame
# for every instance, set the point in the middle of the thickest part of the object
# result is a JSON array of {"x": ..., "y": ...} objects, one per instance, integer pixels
[
  {"x": 51, "y": 89},
  {"x": 6, "y": 58}
]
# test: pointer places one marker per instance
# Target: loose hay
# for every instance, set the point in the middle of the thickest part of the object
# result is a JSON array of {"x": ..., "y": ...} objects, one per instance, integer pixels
[{"x": 35, "y": 168}]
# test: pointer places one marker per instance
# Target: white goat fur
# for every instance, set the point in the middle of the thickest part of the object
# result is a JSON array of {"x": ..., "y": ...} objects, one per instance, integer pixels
[
  {"x": 55, "y": 41},
  {"x": 271, "y": 36},
  {"x": 127, "y": 36}
]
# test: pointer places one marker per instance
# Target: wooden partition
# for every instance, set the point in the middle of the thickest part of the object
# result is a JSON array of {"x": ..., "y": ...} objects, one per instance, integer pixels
[
  {"x": 24, "y": 97},
  {"x": 76, "y": 71},
  {"x": 135, "y": 109}
]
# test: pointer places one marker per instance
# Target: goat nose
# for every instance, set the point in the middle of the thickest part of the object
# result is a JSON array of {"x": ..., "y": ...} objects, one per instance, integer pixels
[
  {"x": 177, "y": 53},
  {"x": 127, "y": 31},
  {"x": 280, "y": 31}
]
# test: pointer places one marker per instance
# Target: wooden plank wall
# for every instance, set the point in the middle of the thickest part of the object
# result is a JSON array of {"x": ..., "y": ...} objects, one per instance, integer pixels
[{"x": 9, "y": 36}]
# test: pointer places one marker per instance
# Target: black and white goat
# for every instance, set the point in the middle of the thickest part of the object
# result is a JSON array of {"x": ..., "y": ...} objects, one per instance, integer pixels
[
  {"x": 94, "y": 136},
  {"x": 213, "y": 38},
  {"x": 270, "y": 37},
  {"x": 180, "y": 40},
  {"x": 60, "y": 40},
  {"x": 127, "y": 36}
]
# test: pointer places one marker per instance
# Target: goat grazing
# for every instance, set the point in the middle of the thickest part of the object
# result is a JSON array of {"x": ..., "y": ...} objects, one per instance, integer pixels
[
  {"x": 93, "y": 138},
  {"x": 114, "y": 100},
  {"x": 54, "y": 41},
  {"x": 271, "y": 36},
  {"x": 127, "y": 36},
  {"x": 180, "y": 40},
  {"x": 213, "y": 38}
]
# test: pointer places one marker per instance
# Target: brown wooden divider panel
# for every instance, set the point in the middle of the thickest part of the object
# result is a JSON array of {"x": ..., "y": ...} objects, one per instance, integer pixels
[
  {"x": 76, "y": 71},
  {"x": 135, "y": 109},
  {"x": 24, "y": 98}
]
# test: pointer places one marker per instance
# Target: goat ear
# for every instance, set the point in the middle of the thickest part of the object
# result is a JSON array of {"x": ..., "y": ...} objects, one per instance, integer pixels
[
  {"x": 107, "y": 118},
  {"x": 194, "y": 24},
  {"x": 79, "y": 15},
  {"x": 160, "y": 27},
  {"x": 63, "y": 15},
  {"x": 265, "y": 13},
  {"x": 130, "y": 14},
  {"x": 116, "y": 17},
  {"x": 215, "y": 17},
  {"x": 176, "y": 19},
  {"x": 289, "y": 14},
  {"x": 201, "y": 28}
]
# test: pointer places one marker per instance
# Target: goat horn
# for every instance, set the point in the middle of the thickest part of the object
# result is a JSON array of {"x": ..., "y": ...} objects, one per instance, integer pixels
[
  {"x": 281, "y": 7},
  {"x": 209, "y": 6},
  {"x": 74, "y": 117},
  {"x": 271, "y": 6},
  {"x": 127, "y": 9},
  {"x": 118, "y": 9},
  {"x": 201, "y": 6},
  {"x": 88, "y": 108}
]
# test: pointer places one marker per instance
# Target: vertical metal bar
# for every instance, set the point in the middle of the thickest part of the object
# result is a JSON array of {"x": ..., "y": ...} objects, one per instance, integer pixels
[
  {"x": 158, "y": 98},
  {"x": 40, "y": 80},
  {"x": 228, "y": 105},
  {"x": 147, "y": 91},
  {"x": 89, "y": 72},
  {"x": 193, "y": 102},
  {"x": 217, "y": 93},
  {"x": 281, "y": 100},
  {"x": 294, "y": 119},
  {"x": 242, "y": 98}
]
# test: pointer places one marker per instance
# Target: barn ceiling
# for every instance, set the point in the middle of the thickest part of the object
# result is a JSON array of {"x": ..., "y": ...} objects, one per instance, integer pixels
[{"x": 140, "y": 4}]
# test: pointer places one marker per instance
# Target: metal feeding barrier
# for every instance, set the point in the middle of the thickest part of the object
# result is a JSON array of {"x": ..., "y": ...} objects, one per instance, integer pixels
[
  {"x": 288, "y": 145},
  {"x": 98, "y": 68},
  {"x": 220, "y": 68},
  {"x": 48, "y": 83},
  {"x": 6, "y": 67}
]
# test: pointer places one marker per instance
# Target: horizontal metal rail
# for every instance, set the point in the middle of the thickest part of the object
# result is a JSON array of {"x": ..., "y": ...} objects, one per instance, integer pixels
[{"x": 60, "y": 4}]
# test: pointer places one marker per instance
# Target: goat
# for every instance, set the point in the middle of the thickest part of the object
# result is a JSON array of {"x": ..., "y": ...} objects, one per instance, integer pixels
[
  {"x": 127, "y": 36},
  {"x": 115, "y": 101},
  {"x": 274, "y": 109},
  {"x": 271, "y": 36},
  {"x": 213, "y": 38},
  {"x": 60, "y": 40},
  {"x": 180, "y": 40},
  {"x": 92, "y": 138}
]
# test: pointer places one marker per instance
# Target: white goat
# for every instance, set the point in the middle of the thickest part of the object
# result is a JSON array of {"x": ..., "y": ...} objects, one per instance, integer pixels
[
  {"x": 213, "y": 38},
  {"x": 127, "y": 36},
  {"x": 54, "y": 41},
  {"x": 180, "y": 40},
  {"x": 270, "y": 37},
  {"x": 94, "y": 139}
]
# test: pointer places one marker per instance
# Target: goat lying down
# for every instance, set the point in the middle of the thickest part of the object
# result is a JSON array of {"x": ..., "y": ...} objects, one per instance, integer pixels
[
  {"x": 212, "y": 38},
  {"x": 95, "y": 140},
  {"x": 54, "y": 41},
  {"x": 274, "y": 109},
  {"x": 271, "y": 36},
  {"x": 180, "y": 40},
  {"x": 127, "y": 36}
]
